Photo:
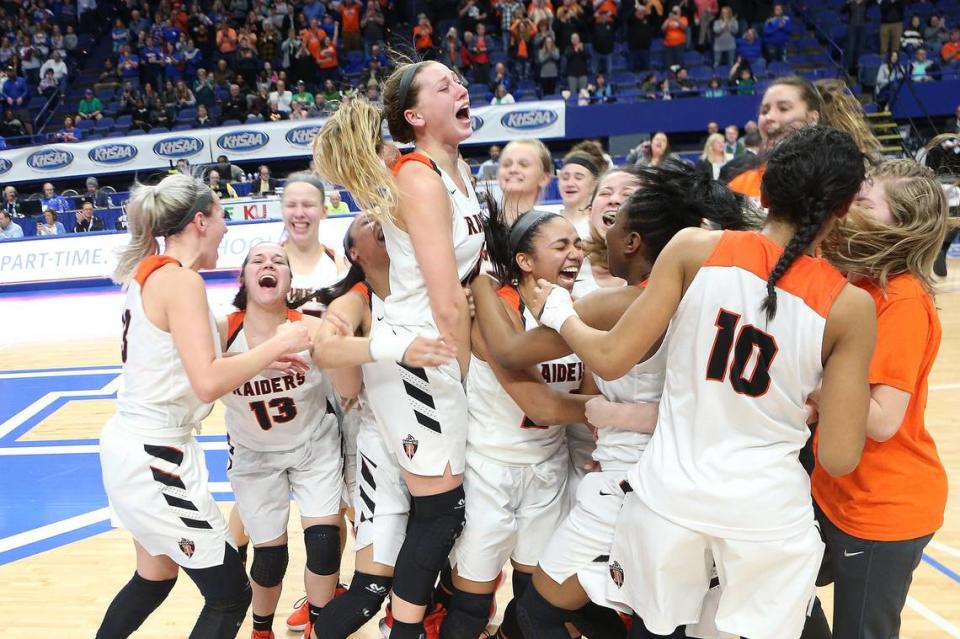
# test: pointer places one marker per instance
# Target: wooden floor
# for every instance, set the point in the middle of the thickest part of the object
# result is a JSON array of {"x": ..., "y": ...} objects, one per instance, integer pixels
[{"x": 63, "y": 591}]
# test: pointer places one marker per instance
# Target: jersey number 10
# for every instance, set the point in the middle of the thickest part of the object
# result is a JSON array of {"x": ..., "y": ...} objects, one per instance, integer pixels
[{"x": 749, "y": 339}]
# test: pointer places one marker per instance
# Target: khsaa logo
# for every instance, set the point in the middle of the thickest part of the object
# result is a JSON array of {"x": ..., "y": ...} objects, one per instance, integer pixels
[
  {"x": 529, "y": 119},
  {"x": 50, "y": 159},
  {"x": 476, "y": 122},
  {"x": 243, "y": 141},
  {"x": 178, "y": 147},
  {"x": 113, "y": 153},
  {"x": 303, "y": 135},
  {"x": 5, "y": 165}
]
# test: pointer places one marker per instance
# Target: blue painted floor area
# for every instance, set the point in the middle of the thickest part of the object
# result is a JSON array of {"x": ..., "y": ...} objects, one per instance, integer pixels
[{"x": 50, "y": 500}]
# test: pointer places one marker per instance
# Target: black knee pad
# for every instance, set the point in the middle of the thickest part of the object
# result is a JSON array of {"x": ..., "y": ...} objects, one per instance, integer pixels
[
  {"x": 346, "y": 614},
  {"x": 323, "y": 549},
  {"x": 520, "y": 581},
  {"x": 226, "y": 595},
  {"x": 132, "y": 605},
  {"x": 435, "y": 523},
  {"x": 467, "y": 616},
  {"x": 595, "y": 621},
  {"x": 539, "y": 619},
  {"x": 269, "y": 565}
]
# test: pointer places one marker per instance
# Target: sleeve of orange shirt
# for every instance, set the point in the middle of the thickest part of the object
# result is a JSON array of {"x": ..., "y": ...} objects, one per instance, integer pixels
[{"x": 902, "y": 329}]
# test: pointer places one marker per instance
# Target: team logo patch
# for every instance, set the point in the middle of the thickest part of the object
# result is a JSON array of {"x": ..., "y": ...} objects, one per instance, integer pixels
[
  {"x": 616, "y": 573},
  {"x": 410, "y": 445},
  {"x": 188, "y": 547}
]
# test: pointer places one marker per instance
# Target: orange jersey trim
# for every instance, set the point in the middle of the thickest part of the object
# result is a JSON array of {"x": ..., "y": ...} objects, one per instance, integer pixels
[
  {"x": 151, "y": 264},
  {"x": 748, "y": 182},
  {"x": 813, "y": 280},
  {"x": 414, "y": 157},
  {"x": 362, "y": 289},
  {"x": 234, "y": 326},
  {"x": 512, "y": 297}
]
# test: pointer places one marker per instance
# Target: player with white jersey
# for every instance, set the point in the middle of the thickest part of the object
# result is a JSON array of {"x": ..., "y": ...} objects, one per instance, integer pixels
[
  {"x": 517, "y": 460},
  {"x": 430, "y": 218},
  {"x": 756, "y": 325},
  {"x": 381, "y": 501},
  {"x": 284, "y": 439},
  {"x": 153, "y": 468},
  {"x": 573, "y": 568}
]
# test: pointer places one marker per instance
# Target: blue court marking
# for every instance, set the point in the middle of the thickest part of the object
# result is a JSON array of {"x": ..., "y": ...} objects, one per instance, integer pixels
[
  {"x": 54, "y": 542},
  {"x": 65, "y": 371},
  {"x": 943, "y": 569},
  {"x": 90, "y": 442}
]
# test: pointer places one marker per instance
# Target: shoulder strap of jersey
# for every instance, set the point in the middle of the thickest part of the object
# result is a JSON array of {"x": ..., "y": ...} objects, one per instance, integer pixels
[
  {"x": 294, "y": 315},
  {"x": 151, "y": 264},
  {"x": 363, "y": 289},
  {"x": 748, "y": 182},
  {"x": 234, "y": 326},
  {"x": 512, "y": 297},
  {"x": 415, "y": 157}
]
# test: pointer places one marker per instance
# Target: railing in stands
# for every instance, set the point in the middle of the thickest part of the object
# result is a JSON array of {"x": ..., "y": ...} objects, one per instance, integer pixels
[{"x": 835, "y": 50}]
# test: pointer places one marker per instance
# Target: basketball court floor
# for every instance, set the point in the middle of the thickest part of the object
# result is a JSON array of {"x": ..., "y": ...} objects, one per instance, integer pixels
[{"x": 61, "y": 562}]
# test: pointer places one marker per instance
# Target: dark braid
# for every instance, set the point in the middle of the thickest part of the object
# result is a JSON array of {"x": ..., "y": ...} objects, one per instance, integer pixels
[{"x": 810, "y": 177}]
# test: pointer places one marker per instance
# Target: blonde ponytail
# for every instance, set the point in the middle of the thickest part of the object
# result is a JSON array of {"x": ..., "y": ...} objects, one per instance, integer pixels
[
  {"x": 160, "y": 210},
  {"x": 842, "y": 110}
]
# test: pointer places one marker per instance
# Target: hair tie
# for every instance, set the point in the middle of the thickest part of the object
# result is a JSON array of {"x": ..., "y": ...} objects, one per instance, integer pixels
[
  {"x": 405, "y": 81},
  {"x": 523, "y": 225},
  {"x": 585, "y": 163}
]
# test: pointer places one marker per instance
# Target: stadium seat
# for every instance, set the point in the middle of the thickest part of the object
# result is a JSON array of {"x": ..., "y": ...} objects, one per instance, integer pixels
[
  {"x": 230, "y": 123},
  {"x": 159, "y": 129},
  {"x": 104, "y": 124},
  {"x": 83, "y": 125}
]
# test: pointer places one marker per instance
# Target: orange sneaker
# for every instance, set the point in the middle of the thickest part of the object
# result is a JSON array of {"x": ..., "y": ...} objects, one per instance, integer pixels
[
  {"x": 300, "y": 617},
  {"x": 262, "y": 634},
  {"x": 431, "y": 623}
]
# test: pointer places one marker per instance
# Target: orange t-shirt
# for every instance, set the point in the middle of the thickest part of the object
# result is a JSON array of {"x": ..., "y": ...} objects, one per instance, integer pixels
[
  {"x": 899, "y": 490},
  {"x": 350, "y": 15},
  {"x": 674, "y": 37},
  {"x": 328, "y": 55},
  {"x": 950, "y": 51},
  {"x": 422, "y": 37},
  {"x": 748, "y": 182}
]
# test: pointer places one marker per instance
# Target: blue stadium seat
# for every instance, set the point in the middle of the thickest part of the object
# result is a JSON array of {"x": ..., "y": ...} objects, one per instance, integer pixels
[
  {"x": 187, "y": 115},
  {"x": 254, "y": 118},
  {"x": 183, "y": 126},
  {"x": 124, "y": 120},
  {"x": 692, "y": 59},
  {"x": 83, "y": 125},
  {"x": 116, "y": 134},
  {"x": 230, "y": 123},
  {"x": 869, "y": 65},
  {"x": 701, "y": 74},
  {"x": 780, "y": 68},
  {"x": 159, "y": 129},
  {"x": 136, "y": 132},
  {"x": 104, "y": 124}
]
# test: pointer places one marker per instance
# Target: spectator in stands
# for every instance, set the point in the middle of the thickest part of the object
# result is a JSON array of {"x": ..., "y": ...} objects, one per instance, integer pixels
[
  {"x": 50, "y": 200},
  {"x": 549, "y": 59},
  {"x": 69, "y": 133},
  {"x": 50, "y": 225},
  {"x": 245, "y": 61},
  {"x": 714, "y": 89},
  {"x": 268, "y": 42},
  {"x": 480, "y": 55},
  {"x": 87, "y": 222},
  {"x": 373, "y": 27},
  {"x": 501, "y": 76},
  {"x": 350, "y": 24},
  {"x": 600, "y": 90},
  {"x": 604, "y": 29},
  {"x": 749, "y": 46},
  {"x": 90, "y": 107},
  {"x": 889, "y": 75},
  {"x": 304, "y": 97},
  {"x": 732, "y": 144},
  {"x": 640, "y": 34},
  {"x": 569, "y": 20},
  {"x": 9, "y": 230},
  {"x": 714, "y": 156},
  {"x": 521, "y": 49},
  {"x": 158, "y": 114},
  {"x": 11, "y": 202},
  {"x": 29, "y": 60},
  {"x": 140, "y": 115},
  {"x": 510, "y": 11},
  {"x": 373, "y": 74},
  {"x": 184, "y": 96},
  {"x": 57, "y": 65},
  {"x": 172, "y": 62},
  {"x": 151, "y": 62},
  {"x": 751, "y": 143},
  {"x": 223, "y": 75},
  {"x": 128, "y": 65},
  {"x": 776, "y": 34},
  {"x": 15, "y": 99},
  {"x": 273, "y": 114},
  {"x": 328, "y": 64},
  {"x": 741, "y": 77},
  {"x": 203, "y": 120},
  {"x": 674, "y": 37},
  {"x": 683, "y": 85},
  {"x": 578, "y": 62},
  {"x": 109, "y": 78},
  {"x": 93, "y": 193},
  {"x": 423, "y": 37},
  {"x": 935, "y": 35},
  {"x": 264, "y": 184},
  {"x": 652, "y": 152},
  {"x": 337, "y": 205},
  {"x": 950, "y": 53},
  {"x": 222, "y": 189},
  {"x": 373, "y": 95},
  {"x": 501, "y": 96},
  {"x": 228, "y": 171},
  {"x": 856, "y": 12},
  {"x": 472, "y": 14},
  {"x": 320, "y": 107},
  {"x": 664, "y": 90},
  {"x": 488, "y": 169},
  {"x": 923, "y": 69},
  {"x": 227, "y": 41},
  {"x": 203, "y": 89},
  {"x": 236, "y": 105},
  {"x": 48, "y": 84},
  {"x": 120, "y": 36},
  {"x": 725, "y": 37},
  {"x": 282, "y": 97},
  {"x": 912, "y": 38},
  {"x": 376, "y": 53}
]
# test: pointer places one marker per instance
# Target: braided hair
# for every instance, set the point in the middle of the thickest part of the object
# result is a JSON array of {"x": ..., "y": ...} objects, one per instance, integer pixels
[{"x": 813, "y": 175}]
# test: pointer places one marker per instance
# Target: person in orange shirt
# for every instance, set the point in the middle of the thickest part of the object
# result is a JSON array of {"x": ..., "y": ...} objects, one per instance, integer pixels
[
  {"x": 950, "y": 52},
  {"x": 350, "y": 21},
  {"x": 674, "y": 37},
  {"x": 877, "y": 520},
  {"x": 423, "y": 37},
  {"x": 226, "y": 41},
  {"x": 328, "y": 63}
]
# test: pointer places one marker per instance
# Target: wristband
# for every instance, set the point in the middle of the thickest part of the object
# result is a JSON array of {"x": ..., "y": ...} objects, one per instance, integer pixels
[
  {"x": 557, "y": 309},
  {"x": 387, "y": 346}
]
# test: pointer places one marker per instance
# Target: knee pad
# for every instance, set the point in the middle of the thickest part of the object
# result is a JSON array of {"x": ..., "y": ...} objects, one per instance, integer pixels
[
  {"x": 467, "y": 616},
  {"x": 435, "y": 523},
  {"x": 597, "y": 621},
  {"x": 346, "y": 614},
  {"x": 269, "y": 565},
  {"x": 539, "y": 619},
  {"x": 323, "y": 549},
  {"x": 221, "y": 618},
  {"x": 520, "y": 581}
]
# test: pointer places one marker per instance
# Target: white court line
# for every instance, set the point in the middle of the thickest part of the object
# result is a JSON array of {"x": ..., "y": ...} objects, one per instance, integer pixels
[
  {"x": 62, "y": 373},
  {"x": 73, "y": 449},
  {"x": 942, "y": 547},
  {"x": 52, "y": 530},
  {"x": 17, "y": 420},
  {"x": 933, "y": 617}
]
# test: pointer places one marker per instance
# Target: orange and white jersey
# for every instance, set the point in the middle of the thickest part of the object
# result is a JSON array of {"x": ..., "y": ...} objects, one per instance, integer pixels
[
  {"x": 408, "y": 303},
  {"x": 497, "y": 427},
  {"x": 724, "y": 457},
  {"x": 275, "y": 411},
  {"x": 324, "y": 273},
  {"x": 156, "y": 399},
  {"x": 371, "y": 370}
]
